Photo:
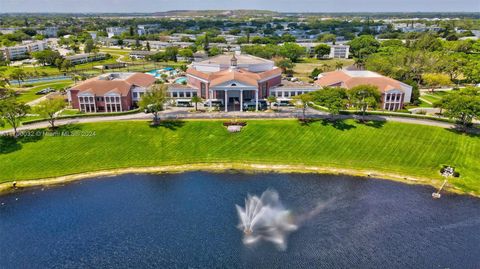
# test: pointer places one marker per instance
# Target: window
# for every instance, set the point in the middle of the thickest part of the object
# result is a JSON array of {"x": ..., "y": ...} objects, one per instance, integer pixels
[
  {"x": 174, "y": 94},
  {"x": 135, "y": 95},
  {"x": 203, "y": 90}
]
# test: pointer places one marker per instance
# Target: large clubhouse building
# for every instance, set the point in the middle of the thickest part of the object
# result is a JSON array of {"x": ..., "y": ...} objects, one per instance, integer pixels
[
  {"x": 230, "y": 82},
  {"x": 395, "y": 94}
]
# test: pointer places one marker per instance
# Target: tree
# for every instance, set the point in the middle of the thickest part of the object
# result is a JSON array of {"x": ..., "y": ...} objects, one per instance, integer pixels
[
  {"x": 13, "y": 111},
  {"x": 284, "y": 64},
  {"x": 196, "y": 99},
  {"x": 214, "y": 51},
  {"x": 49, "y": 107},
  {"x": 335, "y": 99},
  {"x": 89, "y": 46},
  {"x": 322, "y": 50},
  {"x": 363, "y": 97},
  {"x": 363, "y": 46},
  {"x": 292, "y": 51},
  {"x": 46, "y": 57},
  {"x": 315, "y": 72},
  {"x": 327, "y": 38},
  {"x": 148, "y": 46},
  {"x": 3, "y": 81},
  {"x": 58, "y": 63},
  {"x": 338, "y": 65},
  {"x": 463, "y": 105},
  {"x": 271, "y": 99},
  {"x": 153, "y": 101},
  {"x": 415, "y": 99},
  {"x": 302, "y": 101},
  {"x": 19, "y": 75},
  {"x": 186, "y": 53},
  {"x": 171, "y": 53},
  {"x": 435, "y": 80},
  {"x": 66, "y": 65}
]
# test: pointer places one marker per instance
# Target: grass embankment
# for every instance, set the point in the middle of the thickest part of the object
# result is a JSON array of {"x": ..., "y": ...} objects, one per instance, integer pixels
[{"x": 404, "y": 149}]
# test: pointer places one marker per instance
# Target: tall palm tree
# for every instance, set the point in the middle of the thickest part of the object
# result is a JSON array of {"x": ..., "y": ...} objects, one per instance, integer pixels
[{"x": 338, "y": 65}]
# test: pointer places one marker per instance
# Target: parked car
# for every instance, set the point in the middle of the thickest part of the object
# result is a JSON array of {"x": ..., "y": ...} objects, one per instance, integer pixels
[
  {"x": 45, "y": 91},
  {"x": 283, "y": 103},
  {"x": 250, "y": 105},
  {"x": 215, "y": 103}
]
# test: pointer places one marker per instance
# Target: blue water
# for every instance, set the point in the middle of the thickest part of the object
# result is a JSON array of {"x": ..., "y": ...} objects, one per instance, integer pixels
[
  {"x": 157, "y": 73},
  {"x": 181, "y": 80},
  {"x": 189, "y": 221}
]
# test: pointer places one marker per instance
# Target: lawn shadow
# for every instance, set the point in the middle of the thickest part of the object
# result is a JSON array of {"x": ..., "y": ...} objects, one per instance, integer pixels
[
  {"x": 471, "y": 132},
  {"x": 307, "y": 122},
  {"x": 169, "y": 124},
  {"x": 338, "y": 124},
  {"x": 9, "y": 144},
  {"x": 374, "y": 123}
]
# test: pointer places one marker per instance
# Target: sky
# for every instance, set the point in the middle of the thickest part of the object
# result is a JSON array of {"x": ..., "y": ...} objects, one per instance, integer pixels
[{"x": 78, "y": 6}]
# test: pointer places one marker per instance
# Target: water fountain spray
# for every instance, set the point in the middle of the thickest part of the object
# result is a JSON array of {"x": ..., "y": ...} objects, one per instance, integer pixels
[{"x": 265, "y": 218}]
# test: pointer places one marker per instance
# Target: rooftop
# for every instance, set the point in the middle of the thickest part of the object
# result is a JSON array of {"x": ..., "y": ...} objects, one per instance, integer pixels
[{"x": 120, "y": 83}]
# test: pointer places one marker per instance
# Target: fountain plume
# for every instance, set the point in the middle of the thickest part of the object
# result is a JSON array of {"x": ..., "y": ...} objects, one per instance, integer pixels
[{"x": 265, "y": 218}]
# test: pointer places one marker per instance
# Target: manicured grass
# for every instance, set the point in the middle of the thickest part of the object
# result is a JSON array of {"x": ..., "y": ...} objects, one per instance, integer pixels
[
  {"x": 27, "y": 95},
  {"x": 303, "y": 69},
  {"x": 411, "y": 150},
  {"x": 69, "y": 112},
  {"x": 8, "y": 126},
  {"x": 431, "y": 98}
]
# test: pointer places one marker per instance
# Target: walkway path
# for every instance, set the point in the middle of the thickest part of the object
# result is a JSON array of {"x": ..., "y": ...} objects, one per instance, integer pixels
[{"x": 184, "y": 114}]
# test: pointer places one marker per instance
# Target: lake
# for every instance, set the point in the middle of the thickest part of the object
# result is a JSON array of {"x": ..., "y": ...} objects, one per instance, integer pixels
[{"x": 189, "y": 220}]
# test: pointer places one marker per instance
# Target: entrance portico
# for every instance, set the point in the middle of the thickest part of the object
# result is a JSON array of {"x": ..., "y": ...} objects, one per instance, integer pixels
[{"x": 235, "y": 93}]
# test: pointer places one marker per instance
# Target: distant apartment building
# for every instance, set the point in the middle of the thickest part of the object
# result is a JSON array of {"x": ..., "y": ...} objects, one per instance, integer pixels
[
  {"x": 339, "y": 51},
  {"x": 147, "y": 29},
  {"x": 22, "y": 51},
  {"x": 85, "y": 58},
  {"x": 115, "y": 31},
  {"x": 49, "y": 32},
  {"x": 141, "y": 54},
  {"x": 6, "y": 31}
]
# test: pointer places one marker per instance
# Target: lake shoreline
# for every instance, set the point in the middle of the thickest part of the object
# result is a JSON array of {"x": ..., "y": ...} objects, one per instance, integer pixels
[{"x": 240, "y": 167}]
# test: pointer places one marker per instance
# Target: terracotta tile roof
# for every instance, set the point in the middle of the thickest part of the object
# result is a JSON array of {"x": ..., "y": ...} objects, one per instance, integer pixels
[
  {"x": 100, "y": 87},
  {"x": 241, "y": 75},
  {"x": 141, "y": 79},
  {"x": 349, "y": 79}
]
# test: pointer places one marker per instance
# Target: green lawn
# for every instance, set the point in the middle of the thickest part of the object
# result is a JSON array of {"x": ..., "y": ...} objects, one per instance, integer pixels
[
  {"x": 410, "y": 150},
  {"x": 8, "y": 126},
  {"x": 27, "y": 95},
  {"x": 305, "y": 66},
  {"x": 430, "y": 97}
]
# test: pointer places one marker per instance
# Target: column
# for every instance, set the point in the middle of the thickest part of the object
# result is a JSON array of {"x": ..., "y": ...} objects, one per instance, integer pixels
[
  {"x": 210, "y": 99},
  {"x": 256, "y": 100},
  {"x": 241, "y": 100},
  {"x": 226, "y": 101}
]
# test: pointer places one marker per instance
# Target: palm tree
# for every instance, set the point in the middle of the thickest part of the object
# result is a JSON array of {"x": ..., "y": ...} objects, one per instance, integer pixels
[
  {"x": 338, "y": 65},
  {"x": 196, "y": 99},
  {"x": 271, "y": 99}
]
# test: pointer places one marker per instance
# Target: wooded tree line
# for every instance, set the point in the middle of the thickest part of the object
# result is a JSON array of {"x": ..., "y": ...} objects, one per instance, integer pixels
[{"x": 427, "y": 60}]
